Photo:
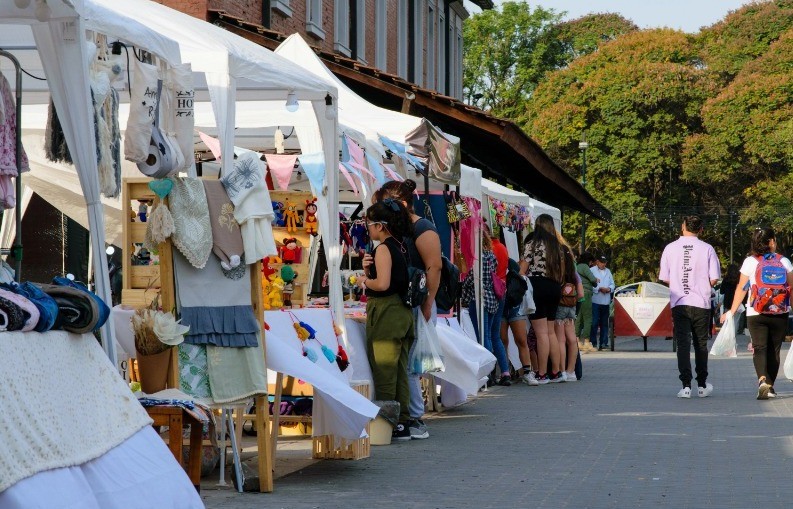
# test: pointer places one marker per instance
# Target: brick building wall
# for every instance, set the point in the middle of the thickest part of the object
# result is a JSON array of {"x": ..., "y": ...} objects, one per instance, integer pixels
[{"x": 251, "y": 11}]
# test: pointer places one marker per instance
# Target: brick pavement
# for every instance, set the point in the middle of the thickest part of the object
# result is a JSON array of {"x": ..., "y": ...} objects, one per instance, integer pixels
[{"x": 618, "y": 439}]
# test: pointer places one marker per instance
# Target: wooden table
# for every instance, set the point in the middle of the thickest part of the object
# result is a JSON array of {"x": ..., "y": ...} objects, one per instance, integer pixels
[{"x": 175, "y": 418}]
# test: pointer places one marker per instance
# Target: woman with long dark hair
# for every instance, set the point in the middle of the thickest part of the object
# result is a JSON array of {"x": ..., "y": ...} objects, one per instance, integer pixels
[
  {"x": 389, "y": 323},
  {"x": 424, "y": 252},
  {"x": 565, "y": 313},
  {"x": 767, "y": 313},
  {"x": 543, "y": 263}
]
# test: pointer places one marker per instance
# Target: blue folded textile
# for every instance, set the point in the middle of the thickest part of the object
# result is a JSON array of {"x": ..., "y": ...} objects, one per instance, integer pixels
[
  {"x": 104, "y": 310},
  {"x": 48, "y": 308}
]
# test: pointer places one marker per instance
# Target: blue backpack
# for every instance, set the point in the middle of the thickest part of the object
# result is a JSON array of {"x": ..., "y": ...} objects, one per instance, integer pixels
[{"x": 48, "y": 308}]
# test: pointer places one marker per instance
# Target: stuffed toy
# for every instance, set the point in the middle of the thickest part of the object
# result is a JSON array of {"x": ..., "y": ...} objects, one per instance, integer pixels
[
  {"x": 310, "y": 217},
  {"x": 290, "y": 251},
  {"x": 266, "y": 293},
  {"x": 276, "y": 287},
  {"x": 278, "y": 210},
  {"x": 288, "y": 275},
  {"x": 291, "y": 216},
  {"x": 266, "y": 261}
]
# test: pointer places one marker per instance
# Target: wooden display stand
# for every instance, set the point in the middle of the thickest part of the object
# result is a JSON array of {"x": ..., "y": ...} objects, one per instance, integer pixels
[
  {"x": 141, "y": 284},
  {"x": 304, "y": 239},
  {"x": 175, "y": 418},
  {"x": 323, "y": 447}
]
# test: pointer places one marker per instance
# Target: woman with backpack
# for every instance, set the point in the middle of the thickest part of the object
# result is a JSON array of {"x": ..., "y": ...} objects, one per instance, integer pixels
[
  {"x": 572, "y": 290},
  {"x": 542, "y": 262},
  {"x": 424, "y": 253},
  {"x": 768, "y": 277},
  {"x": 389, "y": 322}
]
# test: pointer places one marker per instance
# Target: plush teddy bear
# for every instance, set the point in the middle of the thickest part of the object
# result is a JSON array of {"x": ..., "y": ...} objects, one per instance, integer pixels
[
  {"x": 290, "y": 251},
  {"x": 276, "y": 287},
  {"x": 278, "y": 211},
  {"x": 291, "y": 215},
  {"x": 310, "y": 217},
  {"x": 266, "y": 287}
]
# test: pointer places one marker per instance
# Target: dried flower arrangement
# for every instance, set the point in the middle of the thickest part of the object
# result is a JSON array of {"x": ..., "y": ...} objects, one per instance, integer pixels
[{"x": 156, "y": 331}]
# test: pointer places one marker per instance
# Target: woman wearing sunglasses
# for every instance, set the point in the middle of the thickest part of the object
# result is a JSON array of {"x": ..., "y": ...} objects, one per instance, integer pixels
[{"x": 389, "y": 322}]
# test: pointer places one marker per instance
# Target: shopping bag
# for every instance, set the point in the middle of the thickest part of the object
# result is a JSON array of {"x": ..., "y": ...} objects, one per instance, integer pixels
[
  {"x": 789, "y": 364},
  {"x": 426, "y": 356},
  {"x": 528, "y": 306},
  {"x": 724, "y": 346}
]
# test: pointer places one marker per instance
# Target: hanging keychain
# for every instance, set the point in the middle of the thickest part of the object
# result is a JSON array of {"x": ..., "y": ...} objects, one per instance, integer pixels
[
  {"x": 306, "y": 332},
  {"x": 341, "y": 357}
]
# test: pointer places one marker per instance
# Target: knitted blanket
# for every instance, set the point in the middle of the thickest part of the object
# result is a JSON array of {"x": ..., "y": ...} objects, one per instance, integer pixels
[{"x": 63, "y": 403}]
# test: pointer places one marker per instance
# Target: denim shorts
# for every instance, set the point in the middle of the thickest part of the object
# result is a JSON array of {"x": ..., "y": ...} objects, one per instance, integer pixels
[
  {"x": 564, "y": 313},
  {"x": 512, "y": 314}
]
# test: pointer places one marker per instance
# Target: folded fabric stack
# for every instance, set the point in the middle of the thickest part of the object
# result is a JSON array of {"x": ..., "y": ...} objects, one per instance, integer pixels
[{"x": 64, "y": 304}]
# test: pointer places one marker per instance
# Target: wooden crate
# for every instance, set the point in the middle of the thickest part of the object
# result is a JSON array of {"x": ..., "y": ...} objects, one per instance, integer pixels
[{"x": 328, "y": 447}]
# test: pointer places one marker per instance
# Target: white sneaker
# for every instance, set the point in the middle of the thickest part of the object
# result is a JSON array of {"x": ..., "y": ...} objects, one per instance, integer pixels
[
  {"x": 704, "y": 392},
  {"x": 571, "y": 376},
  {"x": 685, "y": 392},
  {"x": 529, "y": 378}
]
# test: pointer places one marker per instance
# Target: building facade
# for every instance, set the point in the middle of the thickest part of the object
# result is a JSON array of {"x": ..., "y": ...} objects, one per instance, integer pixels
[{"x": 419, "y": 40}]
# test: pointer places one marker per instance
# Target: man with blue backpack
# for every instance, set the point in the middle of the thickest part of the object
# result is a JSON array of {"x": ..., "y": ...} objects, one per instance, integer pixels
[
  {"x": 690, "y": 267},
  {"x": 767, "y": 276}
]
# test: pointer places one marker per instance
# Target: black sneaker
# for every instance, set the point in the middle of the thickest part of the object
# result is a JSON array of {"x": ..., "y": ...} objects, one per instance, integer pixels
[
  {"x": 504, "y": 381},
  {"x": 418, "y": 430},
  {"x": 771, "y": 393},
  {"x": 401, "y": 432}
]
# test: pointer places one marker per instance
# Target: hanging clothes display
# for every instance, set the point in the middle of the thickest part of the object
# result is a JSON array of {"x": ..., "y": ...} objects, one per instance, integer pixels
[
  {"x": 8, "y": 146},
  {"x": 226, "y": 237},
  {"x": 55, "y": 147}
]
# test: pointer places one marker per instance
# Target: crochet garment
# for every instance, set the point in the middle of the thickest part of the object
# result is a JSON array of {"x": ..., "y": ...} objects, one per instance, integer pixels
[
  {"x": 226, "y": 237},
  {"x": 63, "y": 403},
  {"x": 192, "y": 231},
  {"x": 253, "y": 209}
]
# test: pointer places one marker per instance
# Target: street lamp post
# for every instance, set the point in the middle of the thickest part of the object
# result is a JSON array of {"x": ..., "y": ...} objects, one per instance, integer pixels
[{"x": 582, "y": 146}]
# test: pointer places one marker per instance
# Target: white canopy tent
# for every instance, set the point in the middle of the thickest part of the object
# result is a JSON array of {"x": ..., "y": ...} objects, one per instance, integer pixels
[{"x": 60, "y": 44}]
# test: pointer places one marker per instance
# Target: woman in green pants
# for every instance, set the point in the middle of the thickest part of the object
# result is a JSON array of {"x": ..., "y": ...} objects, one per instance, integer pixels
[
  {"x": 583, "y": 321},
  {"x": 389, "y": 322}
]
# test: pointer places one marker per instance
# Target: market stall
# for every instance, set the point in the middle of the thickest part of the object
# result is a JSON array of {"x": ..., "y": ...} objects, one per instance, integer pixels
[
  {"x": 642, "y": 309},
  {"x": 84, "y": 446}
]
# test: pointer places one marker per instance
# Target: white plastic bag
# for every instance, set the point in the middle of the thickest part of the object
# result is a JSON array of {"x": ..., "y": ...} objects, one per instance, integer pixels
[
  {"x": 724, "y": 346},
  {"x": 426, "y": 356},
  {"x": 528, "y": 306},
  {"x": 789, "y": 364}
]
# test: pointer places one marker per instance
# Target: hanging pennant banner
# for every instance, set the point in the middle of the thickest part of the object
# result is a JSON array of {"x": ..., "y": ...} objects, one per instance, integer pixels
[
  {"x": 281, "y": 167},
  {"x": 352, "y": 168},
  {"x": 346, "y": 174},
  {"x": 213, "y": 144},
  {"x": 355, "y": 152},
  {"x": 314, "y": 167},
  {"x": 377, "y": 169}
]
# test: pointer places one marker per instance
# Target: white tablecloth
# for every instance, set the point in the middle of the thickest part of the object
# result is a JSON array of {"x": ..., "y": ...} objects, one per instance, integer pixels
[
  {"x": 338, "y": 409},
  {"x": 65, "y": 408}
]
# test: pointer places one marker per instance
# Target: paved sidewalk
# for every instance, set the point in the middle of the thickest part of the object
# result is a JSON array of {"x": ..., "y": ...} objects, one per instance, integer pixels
[{"x": 618, "y": 439}]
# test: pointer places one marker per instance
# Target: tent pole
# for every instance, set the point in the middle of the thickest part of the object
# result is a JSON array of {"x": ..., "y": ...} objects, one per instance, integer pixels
[{"x": 16, "y": 250}]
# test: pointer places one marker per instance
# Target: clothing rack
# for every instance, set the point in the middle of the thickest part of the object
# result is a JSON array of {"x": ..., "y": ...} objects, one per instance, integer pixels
[{"x": 16, "y": 249}]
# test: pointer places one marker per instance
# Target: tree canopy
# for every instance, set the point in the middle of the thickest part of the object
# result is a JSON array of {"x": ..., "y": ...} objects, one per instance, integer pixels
[{"x": 676, "y": 123}]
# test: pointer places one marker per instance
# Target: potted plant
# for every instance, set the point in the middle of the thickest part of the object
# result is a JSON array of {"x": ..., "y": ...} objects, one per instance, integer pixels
[{"x": 156, "y": 332}]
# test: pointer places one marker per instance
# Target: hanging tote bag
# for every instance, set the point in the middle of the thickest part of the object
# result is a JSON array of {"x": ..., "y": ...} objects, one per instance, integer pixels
[
  {"x": 142, "y": 102},
  {"x": 181, "y": 120},
  {"x": 163, "y": 156}
]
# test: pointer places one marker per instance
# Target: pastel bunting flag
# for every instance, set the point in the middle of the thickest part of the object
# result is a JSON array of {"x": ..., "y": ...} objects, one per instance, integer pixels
[
  {"x": 377, "y": 169},
  {"x": 347, "y": 175},
  {"x": 213, "y": 144},
  {"x": 356, "y": 152},
  {"x": 281, "y": 167},
  {"x": 352, "y": 168},
  {"x": 314, "y": 167}
]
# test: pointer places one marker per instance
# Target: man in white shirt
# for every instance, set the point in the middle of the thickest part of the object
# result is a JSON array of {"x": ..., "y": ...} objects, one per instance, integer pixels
[{"x": 601, "y": 303}]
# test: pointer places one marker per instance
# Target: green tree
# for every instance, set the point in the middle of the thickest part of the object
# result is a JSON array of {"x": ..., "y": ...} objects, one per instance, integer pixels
[
  {"x": 637, "y": 98},
  {"x": 743, "y": 158},
  {"x": 507, "y": 51},
  {"x": 582, "y": 36},
  {"x": 743, "y": 35}
]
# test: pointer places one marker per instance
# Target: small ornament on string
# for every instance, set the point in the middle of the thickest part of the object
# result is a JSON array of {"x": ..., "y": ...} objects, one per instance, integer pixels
[{"x": 341, "y": 356}]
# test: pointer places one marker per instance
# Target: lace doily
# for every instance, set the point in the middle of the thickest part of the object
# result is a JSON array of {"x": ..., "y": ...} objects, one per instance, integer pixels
[{"x": 193, "y": 233}]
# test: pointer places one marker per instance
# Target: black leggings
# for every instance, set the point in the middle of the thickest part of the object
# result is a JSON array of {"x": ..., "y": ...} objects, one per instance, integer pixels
[{"x": 768, "y": 333}]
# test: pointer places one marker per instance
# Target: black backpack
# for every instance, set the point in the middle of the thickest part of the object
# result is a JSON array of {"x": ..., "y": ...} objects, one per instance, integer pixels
[
  {"x": 449, "y": 288},
  {"x": 417, "y": 291},
  {"x": 516, "y": 286}
]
